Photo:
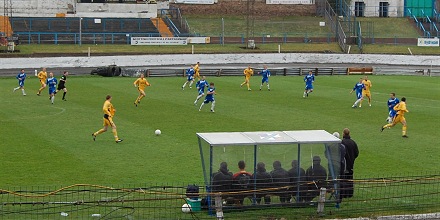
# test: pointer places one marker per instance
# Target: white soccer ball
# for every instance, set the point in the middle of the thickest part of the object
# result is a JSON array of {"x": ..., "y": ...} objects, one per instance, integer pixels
[
  {"x": 157, "y": 132},
  {"x": 186, "y": 208}
]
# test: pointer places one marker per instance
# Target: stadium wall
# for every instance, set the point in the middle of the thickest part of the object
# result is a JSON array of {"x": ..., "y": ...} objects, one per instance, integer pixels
[
  {"x": 69, "y": 8},
  {"x": 239, "y": 7}
]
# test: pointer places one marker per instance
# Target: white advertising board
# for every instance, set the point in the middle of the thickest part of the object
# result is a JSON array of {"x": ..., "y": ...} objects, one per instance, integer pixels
[
  {"x": 428, "y": 42},
  {"x": 199, "y": 40},
  {"x": 201, "y": 2},
  {"x": 290, "y": 2},
  {"x": 159, "y": 41}
]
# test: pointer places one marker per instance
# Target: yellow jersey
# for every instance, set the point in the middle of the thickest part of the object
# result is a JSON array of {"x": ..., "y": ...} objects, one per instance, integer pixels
[
  {"x": 400, "y": 108},
  {"x": 141, "y": 83},
  {"x": 108, "y": 108},
  {"x": 248, "y": 72},
  {"x": 42, "y": 75},
  {"x": 196, "y": 69},
  {"x": 367, "y": 84}
]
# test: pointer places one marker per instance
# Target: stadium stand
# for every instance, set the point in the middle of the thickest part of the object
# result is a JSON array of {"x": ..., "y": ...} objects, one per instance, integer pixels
[{"x": 50, "y": 30}]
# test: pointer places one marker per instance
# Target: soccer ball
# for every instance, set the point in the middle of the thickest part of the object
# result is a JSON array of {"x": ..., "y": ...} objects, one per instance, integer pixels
[
  {"x": 186, "y": 208},
  {"x": 157, "y": 132}
]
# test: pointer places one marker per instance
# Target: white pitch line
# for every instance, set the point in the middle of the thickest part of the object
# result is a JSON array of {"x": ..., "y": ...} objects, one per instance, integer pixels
[{"x": 36, "y": 117}]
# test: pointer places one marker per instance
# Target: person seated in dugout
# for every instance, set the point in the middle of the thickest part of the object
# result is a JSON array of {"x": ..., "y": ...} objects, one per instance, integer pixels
[
  {"x": 316, "y": 176},
  {"x": 264, "y": 182},
  {"x": 297, "y": 179},
  {"x": 241, "y": 182},
  {"x": 222, "y": 180},
  {"x": 281, "y": 180}
]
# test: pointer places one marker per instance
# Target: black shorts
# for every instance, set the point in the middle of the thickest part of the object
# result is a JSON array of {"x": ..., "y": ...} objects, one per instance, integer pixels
[{"x": 61, "y": 87}]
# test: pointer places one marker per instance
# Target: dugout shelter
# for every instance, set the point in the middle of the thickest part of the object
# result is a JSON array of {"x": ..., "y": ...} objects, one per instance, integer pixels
[{"x": 267, "y": 147}]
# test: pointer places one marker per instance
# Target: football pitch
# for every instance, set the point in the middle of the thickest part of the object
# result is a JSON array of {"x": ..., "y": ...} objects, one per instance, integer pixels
[{"x": 44, "y": 144}]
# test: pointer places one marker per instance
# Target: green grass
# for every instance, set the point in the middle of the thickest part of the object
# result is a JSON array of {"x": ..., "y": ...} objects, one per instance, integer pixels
[
  {"x": 51, "y": 145},
  {"x": 297, "y": 26},
  {"x": 46, "y": 144}
]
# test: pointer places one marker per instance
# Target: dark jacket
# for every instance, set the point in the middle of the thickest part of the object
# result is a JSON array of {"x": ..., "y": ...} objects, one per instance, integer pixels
[
  {"x": 351, "y": 152},
  {"x": 280, "y": 177},
  {"x": 263, "y": 179},
  {"x": 222, "y": 180}
]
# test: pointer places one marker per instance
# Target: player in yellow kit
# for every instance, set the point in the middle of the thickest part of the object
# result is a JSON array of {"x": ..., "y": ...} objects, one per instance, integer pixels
[
  {"x": 109, "y": 113},
  {"x": 197, "y": 71},
  {"x": 366, "y": 92},
  {"x": 42, "y": 76},
  {"x": 248, "y": 72},
  {"x": 140, "y": 83},
  {"x": 400, "y": 109}
]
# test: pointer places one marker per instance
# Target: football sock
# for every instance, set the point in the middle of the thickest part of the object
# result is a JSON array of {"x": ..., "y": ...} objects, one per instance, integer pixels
[
  {"x": 190, "y": 84},
  {"x": 198, "y": 97},
  {"x": 22, "y": 91},
  {"x": 213, "y": 106},
  {"x": 15, "y": 89},
  {"x": 184, "y": 84},
  {"x": 357, "y": 102},
  {"x": 64, "y": 95},
  {"x": 268, "y": 87},
  {"x": 404, "y": 130},
  {"x": 52, "y": 99},
  {"x": 201, "y": 106},
  {"x": 361, "y": 101},
  {"x": 115, "y": 133},
  {"x": 40, "y": 89},
  {"x": 141, "y": 97}
]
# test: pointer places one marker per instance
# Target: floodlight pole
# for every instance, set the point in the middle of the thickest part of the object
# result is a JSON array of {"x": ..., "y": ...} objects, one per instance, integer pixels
[
  {"x": 80, "y": 30},
  {"x": 223, "y": 32}
]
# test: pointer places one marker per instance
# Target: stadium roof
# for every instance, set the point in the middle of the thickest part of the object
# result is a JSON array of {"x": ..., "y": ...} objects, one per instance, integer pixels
[{"x": 268, "y": 137}]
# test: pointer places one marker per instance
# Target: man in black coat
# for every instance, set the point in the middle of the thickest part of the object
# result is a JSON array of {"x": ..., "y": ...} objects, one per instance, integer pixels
[
  {"x": 280, "y": 179},
  {"x": 222, "y": 180},
  {"x": 316, "y": 178},
  {"x": 297, "y": 179},
  {"x": 264, "y": 181},
  {"x": 351, "y": 153}
]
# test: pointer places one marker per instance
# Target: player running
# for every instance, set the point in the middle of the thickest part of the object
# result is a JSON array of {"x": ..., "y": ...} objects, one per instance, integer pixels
[
  {"x": 209, "y": 97},
  {"x": 400, "y": 109},
  {"x": 309, "y": 79},
  {"x": 248, "y": 72},
  {"x": 109, "y": 113},
  {"x": 140, "y": 83},
  {"x": 21, "y": 77},
  {"x": 197, "y": 71},
  {"x": 358, "y": 88},
  {"x": 62, "y": 86},
  {"x": 52, "y": 82},
  {"x": 392, "y": 101},
  {"x": 366, "y": 92},
  {"x": 201, "y": 84},
  {"x": 42, "y": 76},
  {"x": 189, "y": 77},
  {"x": 266, "y": 74}
]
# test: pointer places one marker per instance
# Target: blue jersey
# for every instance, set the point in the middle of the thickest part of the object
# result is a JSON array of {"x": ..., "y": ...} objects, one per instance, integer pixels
[
  {"x": 210, "y": 97},
  {"x": 52, "y": 83},
  {"x": 190, "y": 74},
  {"x": 265, "y": 73},
  {"x": 391, "y": 103},
  {"x": 201, "y": 84},
  {"x": 309, "y": 79},
  {"x": 21, "y": 77},
  {"x": 358, "y": 88}
]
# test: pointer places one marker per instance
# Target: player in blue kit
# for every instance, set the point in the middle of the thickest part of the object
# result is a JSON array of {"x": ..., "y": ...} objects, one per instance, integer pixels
[
  {"x": 209, "y": 97},
  {"x": 358, "y": 88},
  {"x": 392, "y": 101},
  {"x": 265, "y": 73},
  {"x": 201, "y": 84},
  {"x": 21, "y": 77},
  {"x": 189, "y": 77},
  {"x": 309, "y": 79},
  {"x": 52, "y": 83}
]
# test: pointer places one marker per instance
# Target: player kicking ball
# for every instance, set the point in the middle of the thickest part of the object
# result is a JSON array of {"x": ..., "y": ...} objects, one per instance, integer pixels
[{"x": 209, "y": 97}]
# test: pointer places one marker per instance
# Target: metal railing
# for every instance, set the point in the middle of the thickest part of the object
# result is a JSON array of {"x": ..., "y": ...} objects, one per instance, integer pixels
[
  {"x": 373, "y": 197},
  {"x": 335, "y": 26}
]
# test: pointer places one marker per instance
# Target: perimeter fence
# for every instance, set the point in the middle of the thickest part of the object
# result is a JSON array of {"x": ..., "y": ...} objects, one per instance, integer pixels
[{"x": 372, "y": 197}]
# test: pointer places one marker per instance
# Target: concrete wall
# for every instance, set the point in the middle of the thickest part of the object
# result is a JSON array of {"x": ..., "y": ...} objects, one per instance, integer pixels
[{"x": 49, "y": 8}]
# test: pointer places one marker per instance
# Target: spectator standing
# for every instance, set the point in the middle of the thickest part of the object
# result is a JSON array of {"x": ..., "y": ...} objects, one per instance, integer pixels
[{"x": 351, "y": 153}]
